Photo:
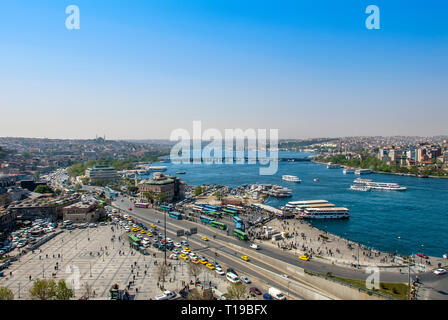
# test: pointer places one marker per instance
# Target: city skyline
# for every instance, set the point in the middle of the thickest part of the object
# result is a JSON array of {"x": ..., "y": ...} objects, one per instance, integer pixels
[{"x": 144, "y": 70}]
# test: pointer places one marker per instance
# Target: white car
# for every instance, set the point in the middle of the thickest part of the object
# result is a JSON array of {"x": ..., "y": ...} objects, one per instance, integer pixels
[
  {"x": 255, "y": 246},
  {"x": 177, "y": 245},
  {"x": 439, "y": 271},
  {"x": 219, "y": 271},
  {"x": 245, "y": 279},
  {"x": 185, "y": 252},
  {"x": 193, "y": 255},
  {"x": 166, "y": 295}
]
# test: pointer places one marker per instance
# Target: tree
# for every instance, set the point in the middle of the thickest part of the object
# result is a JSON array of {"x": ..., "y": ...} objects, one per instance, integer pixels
[
  {"x": 197, "y": 191},
  {"x": 88, "y": 290},
  {"x": 218, "y": 195},
  {"x": 4, "y": 199},
  {"x": 43, "y": 188},
  {"x": 63, "y": 291},
  {"x": 197, "y": 294},
  {"x": 149, "y": 195},
  {"x": 78, "y": 187},
  {"x": 194, "y": 269},
  {"x": 6, "y": 294},
  {"x": 161, "y": 197},
  {"x": 163, "y": 272},
  {"x": 43, "y": 289},
  {"x": 236, "y": 291}
]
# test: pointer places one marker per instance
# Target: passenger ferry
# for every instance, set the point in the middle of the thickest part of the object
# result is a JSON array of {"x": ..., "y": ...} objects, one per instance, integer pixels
[
  {"x": 280, "y": 192},
  {"x": 333, "y": 166},
  {"x": 325, "y": 213},
  {"x": 291, "y": 178},
  {"x": 386, "y": 186},
  {"x": 306, "y": 202},
  {"x": 363, "y": 171},
  {"x": 157, "y": 168},
  {"x": 359, "y": 187}
]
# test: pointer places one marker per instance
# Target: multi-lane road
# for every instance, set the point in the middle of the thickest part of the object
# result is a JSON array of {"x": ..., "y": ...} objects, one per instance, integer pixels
[{"x": 434, "y": 287}]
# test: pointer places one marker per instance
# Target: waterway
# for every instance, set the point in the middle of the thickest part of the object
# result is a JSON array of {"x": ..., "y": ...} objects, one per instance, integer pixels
[{"x": 406, "y": 222}]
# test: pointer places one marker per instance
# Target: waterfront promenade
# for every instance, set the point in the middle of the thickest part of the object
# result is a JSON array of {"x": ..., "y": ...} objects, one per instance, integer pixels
[{"x": 329, "y": 248}]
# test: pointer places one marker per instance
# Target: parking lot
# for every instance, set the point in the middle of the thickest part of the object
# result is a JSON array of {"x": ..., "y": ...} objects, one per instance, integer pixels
[{"x": 99, "y": 257}]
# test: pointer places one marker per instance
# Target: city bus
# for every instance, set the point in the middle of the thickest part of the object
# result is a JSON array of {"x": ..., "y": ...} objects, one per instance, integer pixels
[
  {"x": 212, "y": 207},
  {"x": 237, "y": 220},
  {"x": 206, "y": 219},
  {"x": 213, "y": 214},
  {"x": 141, "y": 205},
  {"x": 166, "y": 208},
  {"x": 218, "y": 225},
  {"x": 240, "y": 234},
  {"x": 175, "y": 215},
  {"x": 198, "y": 209},
  {"x": 232, "y": 207},
  {"x": 232, "y": 212}
]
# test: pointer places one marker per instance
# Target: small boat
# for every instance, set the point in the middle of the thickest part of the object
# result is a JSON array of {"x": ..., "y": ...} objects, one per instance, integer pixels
[
  {"x": 180, "y": 172},
  {"x": 290, "y": 178},
  {"x": 316, "y": 179}
]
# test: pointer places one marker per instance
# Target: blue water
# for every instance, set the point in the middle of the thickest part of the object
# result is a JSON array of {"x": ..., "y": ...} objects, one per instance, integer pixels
[{"x": 419, "y": 216}]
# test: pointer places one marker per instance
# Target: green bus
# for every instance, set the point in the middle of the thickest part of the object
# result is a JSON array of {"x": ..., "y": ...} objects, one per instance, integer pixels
[
  {"x": 240, "y": 234},
  {"x": 218, "y": 225},
  {"x": 213, "y": 214},
  {"x": 230, "y": 211},
  {"x": 133, "y": 238}
]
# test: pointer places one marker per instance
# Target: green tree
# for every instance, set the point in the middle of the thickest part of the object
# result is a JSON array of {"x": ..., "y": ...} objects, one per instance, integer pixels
[
  {"x": 236, "y": 291},
  {"x": 43, "y": 289},
  {"x": 197, "y": 191},
  {"x": 149, "y": 195},
  {"x": 63, "y": 292},
  {"x": 6, "y": 294},
  {"x": 43, "y": 188},
  {"x": 218, "y": 195}
]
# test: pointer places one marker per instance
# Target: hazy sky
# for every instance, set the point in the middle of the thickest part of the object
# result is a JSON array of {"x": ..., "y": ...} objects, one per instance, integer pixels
[{"x": 140, "y": 69}]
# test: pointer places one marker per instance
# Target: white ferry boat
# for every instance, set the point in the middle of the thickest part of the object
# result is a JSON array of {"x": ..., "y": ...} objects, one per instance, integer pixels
[
  {"x": 157, "y": 168},
  {"x": 363, "y": 171},
  {"x": 359, "y": 187},
  {"x": 325, "y": 213},
  {"x": 291, "y": 178},
  {"x": 333, "y": 166},
  {"x": 385, "y": 186}
]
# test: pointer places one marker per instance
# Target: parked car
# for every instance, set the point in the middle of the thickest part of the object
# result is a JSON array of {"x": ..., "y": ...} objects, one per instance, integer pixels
[
  {"x": 245, "y": 279},
  {"x": 166, "y": 295},
  {"x": 255, "y": 290},
  {"x": 267, "y": 296}
]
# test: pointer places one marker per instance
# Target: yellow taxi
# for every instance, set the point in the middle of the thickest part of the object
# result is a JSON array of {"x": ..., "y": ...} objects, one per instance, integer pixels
[
  {"x": 210, "y": 266},
  {"x": 143, "y": 232},
  {"x": 203, "y": 261},
  {"x": 134, "y": 229},
  {"x": 204, "y": 238},
  {"x": 186, "y": 249},
  {"x": 183, "y": 256},
  {"x": 245, "y": 258},
  {"x": 129, "y": 219},
  {"x": 304, "y": 258},
  {"x": 149, "y": 234},
  {"x": 152, "y": 225}
]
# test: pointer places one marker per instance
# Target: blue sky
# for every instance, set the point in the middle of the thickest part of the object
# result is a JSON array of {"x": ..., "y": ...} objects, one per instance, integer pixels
[{"x": 140, "y": 69}]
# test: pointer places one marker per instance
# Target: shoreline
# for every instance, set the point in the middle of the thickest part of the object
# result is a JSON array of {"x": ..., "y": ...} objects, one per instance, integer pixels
[{"x": 391, "y": 173}]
